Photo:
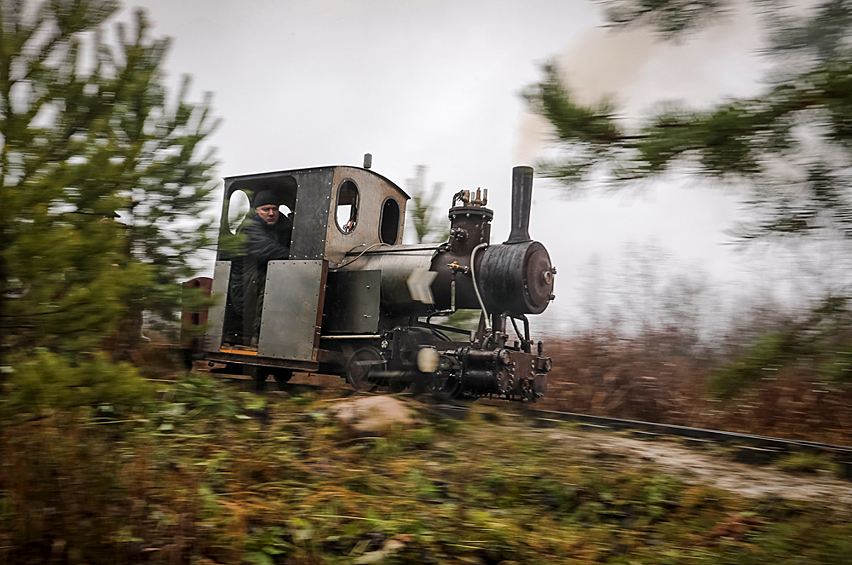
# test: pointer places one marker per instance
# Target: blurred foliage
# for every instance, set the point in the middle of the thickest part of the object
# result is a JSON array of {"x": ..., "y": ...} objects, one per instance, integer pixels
[
  {"x": 292, "y": 486},
  {"x": 103, "y": 185},
  {"x": 423, "y": 206},
  {"x": 807, "y": 463},
  {"x": 789, "y": 149},
  {"x": 196, "y": 396},
  {"x": 770, "y": 352},
  {"x": 659, "y": 377},
  {"x": 46, "y": 383},
  {"x": 792, "y": 144},
  {"x": 821, "y": 340},
  {"x": 823, "y": 36},
  {"x": 669, "y": 17}
]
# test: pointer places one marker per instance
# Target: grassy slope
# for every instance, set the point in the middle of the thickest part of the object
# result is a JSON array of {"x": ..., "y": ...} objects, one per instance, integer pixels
[{"x": 207, "y": 474}]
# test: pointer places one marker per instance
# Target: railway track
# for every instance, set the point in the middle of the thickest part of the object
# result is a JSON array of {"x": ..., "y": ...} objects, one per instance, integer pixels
[{"x": 747, "y": 448}]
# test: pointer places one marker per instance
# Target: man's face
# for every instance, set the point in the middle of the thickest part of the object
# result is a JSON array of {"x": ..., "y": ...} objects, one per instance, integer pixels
[{"x": 268, "y": 213}]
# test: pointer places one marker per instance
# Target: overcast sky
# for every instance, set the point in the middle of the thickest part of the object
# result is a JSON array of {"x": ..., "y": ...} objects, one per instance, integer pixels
[{"x": 438, "y": 83}]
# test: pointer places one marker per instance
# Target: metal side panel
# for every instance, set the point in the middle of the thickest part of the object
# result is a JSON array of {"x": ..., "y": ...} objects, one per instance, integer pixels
[
  {"x": 352, "y": 302},
  {"x": 396, "y": 265},
  {"x": 310, "y": 217},
  {"x": 216, "y": 314},
  {"x": 292, "y": 309}
]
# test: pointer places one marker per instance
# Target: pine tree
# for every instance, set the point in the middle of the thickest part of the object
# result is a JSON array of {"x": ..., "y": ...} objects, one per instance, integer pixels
[
  {"x": 163, "y": 180},
  {"x": 792, "y": 145},
  {"x": 101, "y": 183}
]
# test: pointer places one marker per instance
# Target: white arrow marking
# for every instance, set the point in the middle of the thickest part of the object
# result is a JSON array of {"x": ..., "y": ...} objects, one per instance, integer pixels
[{"x": 419, "y": 285}]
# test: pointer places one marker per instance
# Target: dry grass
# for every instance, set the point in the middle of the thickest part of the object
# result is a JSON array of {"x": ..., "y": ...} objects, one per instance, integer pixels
[{"x": 606, "y": 376}]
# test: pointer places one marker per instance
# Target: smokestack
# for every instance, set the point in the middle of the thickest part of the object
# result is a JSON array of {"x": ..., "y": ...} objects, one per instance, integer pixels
[{"x": 522, "y": 180}]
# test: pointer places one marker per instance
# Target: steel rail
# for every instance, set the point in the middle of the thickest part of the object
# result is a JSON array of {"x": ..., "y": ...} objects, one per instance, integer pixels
[
  {"x": 716, "y": 436},
  {"x": 748, "y": 448}
]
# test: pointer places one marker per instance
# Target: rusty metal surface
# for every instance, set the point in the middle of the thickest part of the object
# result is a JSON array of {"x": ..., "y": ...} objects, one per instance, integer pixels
[
  {"x": 289, "y": 327},
  {"x": 238, "y": 350},
  {"x": 514, "y": 278},
  {"x": 216, "y": 314},
  {"x": 192, "y": 320},
  {"x": 352, "y": 302},
  {"x": 470, "y": 226}
]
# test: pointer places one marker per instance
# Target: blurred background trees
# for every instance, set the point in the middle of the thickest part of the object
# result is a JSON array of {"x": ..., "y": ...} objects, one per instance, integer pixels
[
  {"x": 103, "y": 183},
  {"x": 424, "y": 206}
]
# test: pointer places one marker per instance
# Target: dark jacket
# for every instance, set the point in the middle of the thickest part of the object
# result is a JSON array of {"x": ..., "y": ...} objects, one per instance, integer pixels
[
  {"x": 264, "y": 243},
  {"x": 261, "y": 243}
]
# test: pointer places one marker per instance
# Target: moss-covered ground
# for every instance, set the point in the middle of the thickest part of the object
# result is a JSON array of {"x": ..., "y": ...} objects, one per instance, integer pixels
[{"x": 204, "y": 473}]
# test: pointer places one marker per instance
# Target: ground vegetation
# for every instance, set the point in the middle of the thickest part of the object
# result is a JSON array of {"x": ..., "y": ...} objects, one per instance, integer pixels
[{"x": 197, "y": 472}]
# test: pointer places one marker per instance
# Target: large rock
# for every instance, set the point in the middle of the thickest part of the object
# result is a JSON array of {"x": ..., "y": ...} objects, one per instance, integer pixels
[{"x": 373, "y": 415}]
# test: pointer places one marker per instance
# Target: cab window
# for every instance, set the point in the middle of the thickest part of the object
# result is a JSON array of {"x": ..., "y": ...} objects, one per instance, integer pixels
[
  {"x": 389, "y": 225},
  {"x": 238, "y": 207},
  {"x": 347, "y": 206}
]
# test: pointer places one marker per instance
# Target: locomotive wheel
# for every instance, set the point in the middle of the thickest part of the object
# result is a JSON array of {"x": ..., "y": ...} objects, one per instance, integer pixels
[
  {"x": 442, "y": 384},
  {"x": 282, "y": 376},
  {"x": 443, "y": 387},
  {"x": 359, "y": 366}
]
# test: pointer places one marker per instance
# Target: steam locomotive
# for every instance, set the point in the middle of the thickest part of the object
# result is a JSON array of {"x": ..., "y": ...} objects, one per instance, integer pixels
[{"x": 352, "y": 300}]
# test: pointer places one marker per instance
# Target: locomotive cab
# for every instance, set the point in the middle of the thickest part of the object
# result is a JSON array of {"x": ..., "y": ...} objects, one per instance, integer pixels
[
  {"x": 332, "y": 210},
  {"x": 350, "y": 298}
]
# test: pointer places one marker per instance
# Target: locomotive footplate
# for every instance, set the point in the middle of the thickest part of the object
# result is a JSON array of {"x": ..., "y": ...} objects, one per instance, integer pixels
[{"x": 251, "y": 358}]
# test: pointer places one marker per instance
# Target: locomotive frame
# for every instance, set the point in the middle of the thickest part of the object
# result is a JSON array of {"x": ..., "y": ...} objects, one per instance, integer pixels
[{"x": 352, "y": 300}]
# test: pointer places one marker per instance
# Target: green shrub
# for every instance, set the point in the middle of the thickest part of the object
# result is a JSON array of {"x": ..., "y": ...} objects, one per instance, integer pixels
[
  {"x": 46, "y": 382},
  {"x": 770, "y": 352}
]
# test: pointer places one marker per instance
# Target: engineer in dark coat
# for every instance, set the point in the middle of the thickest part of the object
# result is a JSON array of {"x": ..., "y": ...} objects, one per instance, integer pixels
[{"x": 266, "y": 235}]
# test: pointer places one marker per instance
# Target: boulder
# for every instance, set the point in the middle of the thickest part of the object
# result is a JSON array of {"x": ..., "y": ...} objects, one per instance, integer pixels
[{"x": 373, "y": 415}]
